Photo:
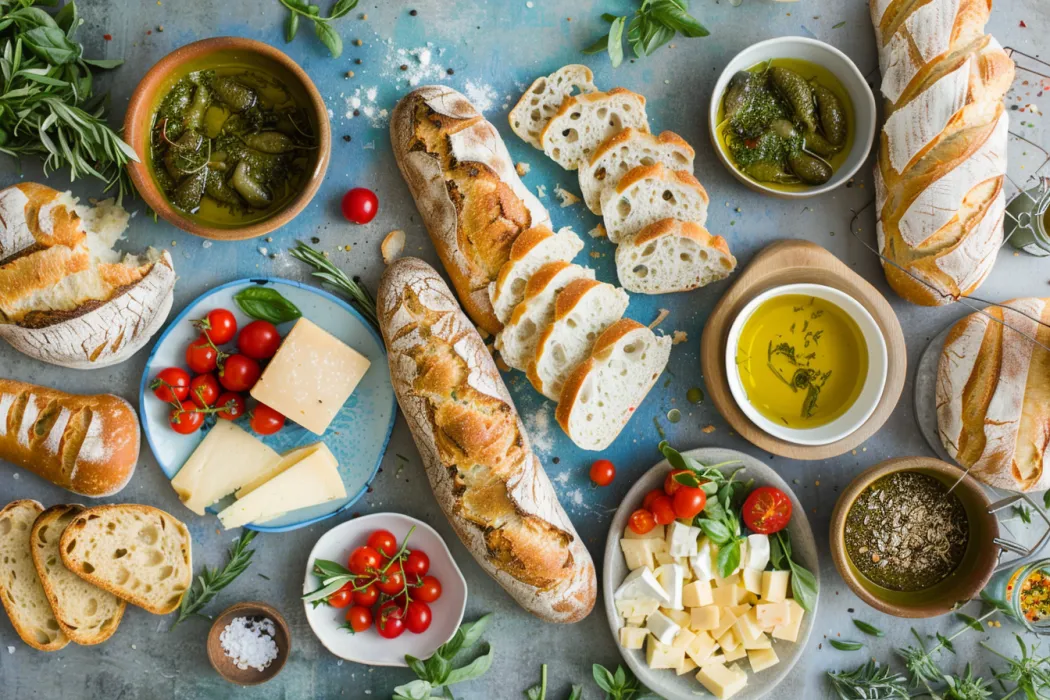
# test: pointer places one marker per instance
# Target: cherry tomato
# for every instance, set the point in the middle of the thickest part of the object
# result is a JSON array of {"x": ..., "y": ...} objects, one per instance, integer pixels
[
  {"x": 259, "y": 340},
  {"x": 172, "y": 379},
  {"x": 265, "y": 420},
  {"x": 204, "y": 389},
  {"x": 186, "y": 419},
  {"x": 429, "y": 590},
  {"x": 766, "y": 510},
  {"x": 201, "y": 356},
  {"x": 367, "y": 596},
  {"x": 360, "y": 205},
  {"x": 670, "y": 485},
  {"x": 688, "y": 502},
  {"x": 384, "y": 542},
  {"x": 363, "y": 560},
  {"x": 603, "y": 472},
  {"x": 390, "y": 622},
  {"x": 642, "y": 521},
  {"x": 341, "y": 598},
  {"x": 220, "y": 325},
  {"x": 650, "y": 497},
  {"x": 239, "y": 373},
  {"x": 416, "y": 565},
  {"x": 233, "y": 403},
  {"x": 359, "y": 618},
  {"x": 392, "y": 581},
  {"x": 418, "y": 617},
  {"x": 663, "y": 510}
]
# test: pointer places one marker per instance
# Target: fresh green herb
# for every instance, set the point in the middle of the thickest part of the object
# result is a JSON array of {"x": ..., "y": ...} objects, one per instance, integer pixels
[
  {"x": 266, "y": 304},
  {"x": 1030, "y": 675},
  {"x": 842, "y": 645},
  {"x": 803, "y": 582},
  {"x": 868, "y": 628},
  {"x": 1024, "y": 514},
  {"x": 577, "y": 693},
  {"x": 654, "y": 24},
  {"x": 840, "y": 24},
  {"x": 210, "y": 581},
  {"x": 331, "y": 274},
  {"x": 322, "y": 27},
  {"x": 621, "y": 685},
  {"x": 1046, "y": 500},
  {"x": 334, "y": 576},
  {"x": 539, "y": 691},
  {"x": 869, "y": 681},
  {"x": 438, "y": 672}
]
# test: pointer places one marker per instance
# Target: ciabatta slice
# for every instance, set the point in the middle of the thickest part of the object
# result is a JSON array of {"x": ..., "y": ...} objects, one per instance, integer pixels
[
  {"x": 582, "y": 311},
  {"x": 583, "y": 122},
  {"x": 531, "y": 250},
  {"x": 543, "y": 98},
  {"x": 649, "y": 193},
  {"x": 672, "y": 256},
  {"x": 626, "y": 150},
  {"x": 601, "y": 395}
]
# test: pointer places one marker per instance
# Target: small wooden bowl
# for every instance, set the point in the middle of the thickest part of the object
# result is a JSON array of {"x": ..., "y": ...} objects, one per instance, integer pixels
[
  {"x": 224, "y": 664},
  {"x": 138, "y": 122}
]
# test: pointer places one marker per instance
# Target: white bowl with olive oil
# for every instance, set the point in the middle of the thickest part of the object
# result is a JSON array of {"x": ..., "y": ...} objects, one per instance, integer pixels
[{"x": 806, "y": 363}]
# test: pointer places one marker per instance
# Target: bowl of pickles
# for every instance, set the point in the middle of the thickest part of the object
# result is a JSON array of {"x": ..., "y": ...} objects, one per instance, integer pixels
[
  {"x": 792, "y": 117},
  {"x": 232, "y": 138}
]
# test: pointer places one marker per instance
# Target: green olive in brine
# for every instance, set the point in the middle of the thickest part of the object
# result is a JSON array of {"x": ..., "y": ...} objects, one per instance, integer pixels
[
  {"x": 832, "y": 115},
  {"x": 797, "y": 92}
]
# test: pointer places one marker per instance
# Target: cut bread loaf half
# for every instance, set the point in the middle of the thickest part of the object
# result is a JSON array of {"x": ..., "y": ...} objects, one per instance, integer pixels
[
  {"x": 584, "y": 122},
  {"x": 672, "y": 256},
  {"x": 21, "y": 592},
  {"x": 601, "y": 395},
  {"x": 87, "y": 614},
  {"x": 649, "y": 193},
  {"x": 517, "y": 342},
  {"x": 582, "y": 311},
  {"x": 626, "y": 150},
  {"x": 531, "y": 250},
  {"x": 543, "y": 98},
  {"x": 138, "y": 553}
]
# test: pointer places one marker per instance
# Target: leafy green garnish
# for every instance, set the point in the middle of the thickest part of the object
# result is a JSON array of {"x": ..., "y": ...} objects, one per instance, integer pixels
[
  {"x": 266, "y": 304},
  {"x": 322, "y": 27},
  {"x": 844, "y": 645},
  {"x": 331, "y": 274},
  {"x": 438, "y": 671},
  {"x": 867, "y": 628},
  {"x": 621, "y": 685},
  {"x": 869, "y": 681},
  {"x": 654, "y": 24},
  {"x": 210, "y": 581}
]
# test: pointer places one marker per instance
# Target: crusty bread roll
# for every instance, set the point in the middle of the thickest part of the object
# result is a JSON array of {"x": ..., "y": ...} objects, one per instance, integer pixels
[
  {"x": 485, "y": 477},
  {"x": 942, "y": 153},
  {"x": 87, "y": 444},
  {"x": 993, "y": 395}
]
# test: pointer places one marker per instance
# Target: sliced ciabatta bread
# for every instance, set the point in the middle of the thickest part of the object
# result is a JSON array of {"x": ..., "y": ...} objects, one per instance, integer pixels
[
  {"x": 601, "y": 395},
  {"x": 138, "y": 553},
  {"x": 543, "y": 98},
  {"x": 517, "y": 342},
  {"x": 21, "y": 592},
  {"x": 531, "y": 250},
  {"x": 86, "y": 613},
  {"x": 583, "y": 122},
  {"x": 672, "y": 256},
  {"x": 626, "y": 150},
  {"x": 649, "y": 193},
  {"x": 582, "y": 311}
]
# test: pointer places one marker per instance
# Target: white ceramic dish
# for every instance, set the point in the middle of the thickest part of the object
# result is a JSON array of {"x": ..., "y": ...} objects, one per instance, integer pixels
[
  {"x": 870, "y": 394},
  {"x": 804, "y": 549},
  {"x": 368, "y": 647},
  {"x": 822, "y": 54}
]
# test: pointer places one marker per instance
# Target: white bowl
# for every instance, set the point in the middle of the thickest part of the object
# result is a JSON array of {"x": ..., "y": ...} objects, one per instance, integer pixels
[
  {"x": 368, "y": 647},
  {"x": 870, "y": 393},
  {"x": 822, "y": 54}
]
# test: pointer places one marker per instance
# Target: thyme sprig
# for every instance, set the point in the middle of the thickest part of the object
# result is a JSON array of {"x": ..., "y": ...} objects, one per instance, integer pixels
[
  {"x": 869, "y": 681},
  {"x": 210, "y": 581},
  {"x": 324, "y": 269}
]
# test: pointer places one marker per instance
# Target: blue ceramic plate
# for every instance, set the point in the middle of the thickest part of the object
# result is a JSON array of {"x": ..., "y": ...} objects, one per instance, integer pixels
[{"x": 357, "y": 437}]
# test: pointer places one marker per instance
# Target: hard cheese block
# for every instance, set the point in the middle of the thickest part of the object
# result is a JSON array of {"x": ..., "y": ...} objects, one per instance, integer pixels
[
  {"x": 312, "y": 480},
  {"x": 311, "y": 376},
  {"x": 288, "y": 460},
  {"x": 227, "y": 459}
]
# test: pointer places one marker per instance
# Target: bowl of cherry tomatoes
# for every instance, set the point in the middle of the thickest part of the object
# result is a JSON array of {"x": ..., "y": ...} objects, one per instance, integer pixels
[{"x": 382, "y": 586}]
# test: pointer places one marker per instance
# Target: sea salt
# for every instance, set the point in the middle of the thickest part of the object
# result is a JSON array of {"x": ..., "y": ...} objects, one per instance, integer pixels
[
  {"x": 538, "y": 425},
  {"x": 248, "y": 642},
  {"x": 482, "y": 96}
]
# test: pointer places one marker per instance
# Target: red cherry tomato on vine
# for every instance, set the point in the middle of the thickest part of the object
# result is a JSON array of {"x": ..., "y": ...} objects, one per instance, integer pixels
[
  {"x": 341, "y": 598},
  {"x": 416, "y": 565},
  {"x": 363, "y": 560},
  {"x": 384, "y": 542},
  {"x": 390, "y": 622},
  {"x": 221, "y": 326},
  {"x": 360, "y": 205},
  {"x": 201, "y": 356},
  {"x": 428, "y": 590},
  {"x": 766, "y": 510},
  {"x": 392, "y": 581},
  {"x": 359, "y": 618},
  {"x": 233, "y": 404},
  {"x": 367, "y": 596},
  {"x": 172, "y": 379},
  {"x": 603, "y": 472},
  {"x": 641, "y": 521},
  {"x": 670, "y": 485},
  {"x": 259, "y": 340},
  {"x": 650, "y": 497},
  {"x": 418, "y": 617},
  {"x": 663, "y": 510},
  {"x": 204, "y": 389},
  {"x": 265, "y": 420},
  {"x": 239, "y": 373},
  {"x": 688, "y": 502},
  {"x": 186, "y": 419}
]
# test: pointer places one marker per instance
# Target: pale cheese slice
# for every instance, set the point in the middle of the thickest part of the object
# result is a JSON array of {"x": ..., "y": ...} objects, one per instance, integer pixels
[
  {"x": 288, "y": 460},
  {"x": 914, "y": 126}
]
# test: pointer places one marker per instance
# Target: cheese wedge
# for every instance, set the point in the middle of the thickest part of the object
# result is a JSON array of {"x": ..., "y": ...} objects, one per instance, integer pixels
[{"x": 288, "y": 460}]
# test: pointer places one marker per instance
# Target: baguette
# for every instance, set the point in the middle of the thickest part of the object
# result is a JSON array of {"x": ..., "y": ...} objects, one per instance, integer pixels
[
  {"x": 584, "y": 122},
  {"x": 533, "y": 249},
  {"x": 649, "y": 193},
  {"x": 86, "y": 444},
  {"x": 624, "y": 151},
  {"x": 672, "y": 256},
  {"x": 543, "y": 98},
  {"x": 485, "y": 477}
]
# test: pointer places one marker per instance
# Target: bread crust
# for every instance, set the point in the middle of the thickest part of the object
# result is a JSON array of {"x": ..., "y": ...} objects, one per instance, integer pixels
[
  {"x": 565, "y": 302},
  {"x": 664, "y": 138},
  {"x": 658, "y": 171}
]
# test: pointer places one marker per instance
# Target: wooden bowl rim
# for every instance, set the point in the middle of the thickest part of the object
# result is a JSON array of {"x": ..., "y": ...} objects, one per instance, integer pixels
[{"x": 217, "y": 657}]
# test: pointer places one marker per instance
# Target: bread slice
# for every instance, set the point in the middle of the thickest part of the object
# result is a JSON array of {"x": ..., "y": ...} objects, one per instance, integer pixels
[
  {"x": 87, "y": 614},
  {"x": 649, "y": 193},
  {"x": 601, "y": 395},
  {"x": 531, "y": 250},
  {"x": 626, "y": 150},
  {"x": 543, "y": 98},
  {"x": 21, "y": 592},
  {"x": 582, "y": 311},
  {"x": 138, "y": 553},
  {"x": 583, "y": 122},
  {"x": 517, "y": 342},
  {"x": 672, "y": 256}
]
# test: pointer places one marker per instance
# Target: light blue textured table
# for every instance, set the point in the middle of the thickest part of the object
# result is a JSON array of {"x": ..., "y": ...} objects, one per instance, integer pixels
[{"x": 494, "y": 49}]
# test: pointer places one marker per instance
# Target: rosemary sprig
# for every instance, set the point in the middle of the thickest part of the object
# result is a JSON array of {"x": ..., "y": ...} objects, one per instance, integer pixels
[
  {"x": 1030, "y": 674},
  {"x": 869, "y": 682},
  {"x": 210, "y": 581},
  {"x": 331, "y": 274}
]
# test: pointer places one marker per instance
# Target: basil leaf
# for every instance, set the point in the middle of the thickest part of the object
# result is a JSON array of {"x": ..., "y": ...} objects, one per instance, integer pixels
[
  {"x": 327, "y": 590},
  {"x": 710, "y": 488},
  {"x": 845, "y": 646},
  {"x": 653, "y": 40},
  {"x": 438, "y": 669},
  {"x": 472, "y": 631},
  {"x": 450, "y": 648},
  {"x": 266, "y": 304},
  {"x": 677, "y": 19},
  {"x": 291, "y": 26},
  {"x": 416, "y": 690},
  {"x": 330, "y": 568},
  {"x": 474, "y": 669},
  {"x": 874, "y": 631},
  {"x": 715, "y": 530},
  {"x": 417, "y": 666},
  {"x": 776, "y": 553},
  {"x": 803, "y": 586},
  {"x": 66, "y": 18},
  {"x": 341, "y": 8},
  {"x": 616, "y": 41},
  {"x": 330, "y": 38},
  {"x": 602, "y": 677},
  {"x": 602, "y": 44},
  {"x": 51, "y": 44},
  {"x": 728, "y": 558},
  {"x": 714, "y": 510},
  {"x": 687, "y": 479}
]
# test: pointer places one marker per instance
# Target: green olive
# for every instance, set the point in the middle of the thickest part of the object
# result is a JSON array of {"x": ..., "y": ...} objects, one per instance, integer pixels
[
  {"x": 765, "y": 171},
  {"x": 184, "y": 156},
  {"x": 820, "y": 145},
  {"x": 189, "y": 192},
  {"x": 809, "y": 169},
  {"x": 832, "y": 115},
  {"x": 218, "y": 189},
  {"x": 783, "y": 128},
  {"x": 797, "y": 93},
  {"x": 255, "y": 193},
  {"x": 272, "y": 142},
  {"x": 194, "y": 116},
  {"x": 739, "y": 92},
  {"x": 234, "y": 94}
]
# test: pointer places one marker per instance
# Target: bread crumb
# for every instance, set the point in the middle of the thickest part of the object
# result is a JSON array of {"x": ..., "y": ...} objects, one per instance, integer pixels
[
  {"x": 541, "y": 191},
  {"x": 679, "y": 337},
  {"x": 595, "y": 254},
  {"x": 522, "y": 168},
  {"x": 392, "y": 246},
  {"x": 659, "y": 318},
  {"x": 598, "y": 231},
  {"x": 567, "y": 198},
  {"x": 503, "y": 366},
  {"x": 708, "y": 429}
]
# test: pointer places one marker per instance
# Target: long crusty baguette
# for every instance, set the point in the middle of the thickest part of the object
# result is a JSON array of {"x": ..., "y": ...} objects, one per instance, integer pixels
[
  {"x": 942, "y": 154},
  {"x": 485, "y": 477},
  {"x": 87, "y": 444},
  {"x": 463, "y": 181},
  {"x": 993, "y": 395}
]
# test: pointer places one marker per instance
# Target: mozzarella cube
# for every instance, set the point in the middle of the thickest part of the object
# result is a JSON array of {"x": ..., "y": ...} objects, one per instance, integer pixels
[
  {"x": 721, "y": 681},
  {"x": 703, "y": 562},
  {"x": 747, "y": 626},
  {"x": 771, "y": 615},
  {"x": 681, "y": 617},
  {"x": 662, "y": 627},
  {"x": 753, "y": 581},
  {"x": 657, "y": 533},
  {"x": 685, "y": 666},
  {"x": 697, "y": 594},
  {"x": 729, "y": 641},
  {"x": 726, "y": 596},
  {"x": 632, "y": 637},
  {"x": 660, "y": 655},
  {"x": 759, "y": 642},
  {"x": 641, "y": 584},
  {"x": 683, "y": 639},
  {"x": 789, "y": 631},
  {"x": 672, "y": 578},
  {"x": 637, "y": 553},
  {"x": 681, "y": 540},
  {"x": 726, "y": 619},
  {"x": 775, "y": 585},
  {"x": 761, "y": 659},
  {"x": 705, "y": 618},
  {"x": 757, "y": 552}
]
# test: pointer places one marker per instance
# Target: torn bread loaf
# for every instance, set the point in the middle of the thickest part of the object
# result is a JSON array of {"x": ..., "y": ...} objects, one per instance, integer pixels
[
  {"x": 672, "y": 256},
  {"x": 543, "y": 98}
]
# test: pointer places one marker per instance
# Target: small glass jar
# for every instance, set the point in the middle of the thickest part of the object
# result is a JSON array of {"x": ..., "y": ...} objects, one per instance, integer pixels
[
  {"x": 1027, "y": 223},
  {"x": 1025, "y": 590}
]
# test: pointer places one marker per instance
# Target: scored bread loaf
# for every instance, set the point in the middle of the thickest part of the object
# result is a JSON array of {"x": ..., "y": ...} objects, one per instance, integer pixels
[
  {"x": 86, "y": 444},
  {"x": 993, "y": 395},
  {"x": 583, "y": 122},
  {"x": 486, "y": 479},
  {"x": 543, "y": 98},
  {"x": 21, "y": 592},
  {"x": 672, "y": 256},
  {"x": 649, "y": 193},
  {"x": 626, "y": 150},
  {"x": 87, "y": 614},
  {"x": 138, "y": 553},
  {"x": 942, "y": 152},
  {"x": 532, "y": 249},
  {"x": 462, "y": 178}
]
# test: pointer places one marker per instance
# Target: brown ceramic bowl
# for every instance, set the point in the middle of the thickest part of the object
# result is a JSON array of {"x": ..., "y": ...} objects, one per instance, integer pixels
[
  {"x": 146, "y": 100},
  {"x": 225, "y": 666},
  {"x": 965, "y": 583}
]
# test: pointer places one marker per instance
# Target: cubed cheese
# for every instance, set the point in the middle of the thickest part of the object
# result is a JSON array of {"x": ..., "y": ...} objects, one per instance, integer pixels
[
  {"x": 730, "y": 580},
  {"x": 739, "y": 653},
  {"x": 722, "y": 682},
  {"x": 680, "y": 541},
  {"x": 753, "y": 581},
  {"x": 774, "y": 586},
  {"x": 726, "y": 618},
  {"x": 681, "y": 617},
  {"x": 705, "y": 618},
  {"x": 741, "y": 609},
  {"x": 659, "y": 655},
  {"x": 703, "y": 562},
  {"x": 771, "y": 615},
  {"x": 637, "y": 553},
  {"x": 701, "y": 648},
  {"x": 747, "y": 626},
  {"x": 685, "y": 666},
  {"x": 729, "y": 641},
  {"x": 657, "y": 533},
  {"x": 632, "y": 637},
  {"x": 663, "y": 557},
  {"x": 672, "y": 578},
  {"x": 641, "y": 584},
  {"x": 759, "y": 642},
  {"x": 634, "y": 608},
  {"x": 697, "y": 594},
  {"x": 757, "y": 552},
  {"x": 789, "y": 631},
  {"x": 726, "y": 596},
  {"x": 662, "y": 627},
  {"x": 635, "y": 620},
  {"x": 683, "y": 639},
  {"x": 761, "y": 659}
]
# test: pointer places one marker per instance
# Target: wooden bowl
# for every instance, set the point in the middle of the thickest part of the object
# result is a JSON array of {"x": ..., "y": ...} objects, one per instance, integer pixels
[
  {"x": 224, "y": 664},
  {"x": 969, "y": 578},
  {"x": 146, "y": 99}
]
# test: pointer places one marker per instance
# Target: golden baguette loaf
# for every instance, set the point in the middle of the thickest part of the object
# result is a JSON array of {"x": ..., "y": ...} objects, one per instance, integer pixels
[
  {"x": 993, "y": 395},
  {"x": 942, "y": 151},
  {"x": 484, "y": 475}
]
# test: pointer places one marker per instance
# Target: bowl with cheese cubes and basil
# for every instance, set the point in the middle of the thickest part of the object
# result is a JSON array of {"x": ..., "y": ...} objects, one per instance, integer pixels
[{"x": 711, "y": 577}]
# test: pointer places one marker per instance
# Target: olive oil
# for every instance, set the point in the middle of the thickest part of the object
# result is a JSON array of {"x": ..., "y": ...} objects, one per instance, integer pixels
[{"x": 802, "y": 360}]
